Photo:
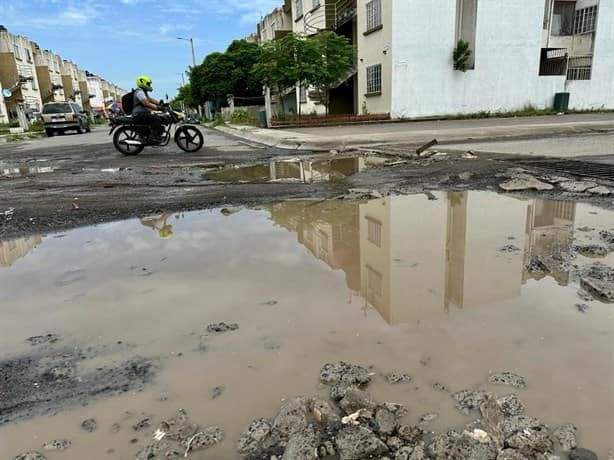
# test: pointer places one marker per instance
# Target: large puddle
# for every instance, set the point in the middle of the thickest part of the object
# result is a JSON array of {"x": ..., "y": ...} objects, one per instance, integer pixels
[{"x": 445, "y": 290}]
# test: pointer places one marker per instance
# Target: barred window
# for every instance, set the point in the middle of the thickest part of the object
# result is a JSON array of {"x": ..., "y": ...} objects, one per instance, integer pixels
[
  {"x": 374, "y": 79},
  {"x": 374, "y": 232},
  {"x": 298, "y": 6},
  {"x": 374, "y": 14},
  {"x": 580, "y": 68},
  {"x": 586, "y": 20}
]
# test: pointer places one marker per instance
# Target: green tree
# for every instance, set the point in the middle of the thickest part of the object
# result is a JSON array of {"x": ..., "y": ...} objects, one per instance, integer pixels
[
  {"x": 184, "y": 96},
  {"x": 221, "y": 74},
  {"x": 336, "y": 59},
  {"x": 287, "y": 62}
]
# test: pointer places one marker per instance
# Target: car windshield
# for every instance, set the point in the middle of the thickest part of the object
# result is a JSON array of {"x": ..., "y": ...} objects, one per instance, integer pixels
[{"x": 57, "y": 108}]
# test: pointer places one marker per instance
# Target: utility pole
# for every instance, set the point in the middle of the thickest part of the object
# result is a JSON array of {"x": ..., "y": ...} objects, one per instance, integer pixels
[
  {"x": 182, "y": 78},
  {"x": 193, "y": 62}
]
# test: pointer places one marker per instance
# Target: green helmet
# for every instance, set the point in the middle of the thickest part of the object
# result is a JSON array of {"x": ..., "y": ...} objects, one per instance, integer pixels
[{"x": 144, "y": 82}]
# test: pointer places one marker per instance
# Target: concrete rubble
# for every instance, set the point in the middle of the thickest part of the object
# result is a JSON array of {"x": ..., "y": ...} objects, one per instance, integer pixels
[{"x": 356, "y": 427}]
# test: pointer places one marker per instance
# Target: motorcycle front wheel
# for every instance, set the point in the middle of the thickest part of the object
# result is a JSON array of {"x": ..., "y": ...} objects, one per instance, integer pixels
[
  {"x": 126, "y": 141},
  {"x": 189, "y": 138}
]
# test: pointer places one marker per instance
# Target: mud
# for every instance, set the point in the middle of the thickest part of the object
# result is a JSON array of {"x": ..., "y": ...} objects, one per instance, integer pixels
[{"x": 408, "y": 286}]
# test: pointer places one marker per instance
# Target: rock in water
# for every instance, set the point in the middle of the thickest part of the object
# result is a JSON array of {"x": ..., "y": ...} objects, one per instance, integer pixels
[
  {"x": 510, "y": 405},
  {"x": 357, "y": 442},
  {"x": 582, "y": 454},
  {"x": 525, "y": 182},
  {"x": 58, "y": 444},
  {"x": 341, "y": 373},
  {"x": 508, "y": 378},
  {"x": 474, "y": 446},
  {"x": 256, "y": 437},
  {"x": 356, "y": 399},
  {"x": 565, "y": 436},
  {"x": 470, "y": 400},
  {"x": 293, "y": 418},
  {"x": 302, "y": 446},
  {"x": 600, "y": 290},
  {"x": 89, "y": 425},
  {"x": 31, "y": 456}
]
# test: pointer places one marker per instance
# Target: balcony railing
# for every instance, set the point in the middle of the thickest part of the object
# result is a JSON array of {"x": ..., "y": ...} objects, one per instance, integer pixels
[
  {"x": 330, "y": 16},
  {"x": 580, "y": 68}
]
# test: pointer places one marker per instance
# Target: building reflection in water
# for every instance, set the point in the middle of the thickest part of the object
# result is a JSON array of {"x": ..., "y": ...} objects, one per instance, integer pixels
[
  {"x": 410, "y": 258},
  {"x": 12, "y": 250},
  {"x": 299, "y": 170}
]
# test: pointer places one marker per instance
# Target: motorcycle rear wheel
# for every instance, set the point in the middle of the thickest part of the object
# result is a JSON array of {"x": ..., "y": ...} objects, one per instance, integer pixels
[{"x": 123, "y": 134}]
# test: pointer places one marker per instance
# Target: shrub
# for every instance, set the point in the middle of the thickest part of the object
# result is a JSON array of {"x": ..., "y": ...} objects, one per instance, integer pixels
[
  {"x": 461, "y": 56},
  {"x": 36, "y": 126},
  {"x": 241, "y": 117}
]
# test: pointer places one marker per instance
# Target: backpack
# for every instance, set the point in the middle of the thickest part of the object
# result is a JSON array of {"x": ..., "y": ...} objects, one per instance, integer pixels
[{"x": 128, "y": 102}]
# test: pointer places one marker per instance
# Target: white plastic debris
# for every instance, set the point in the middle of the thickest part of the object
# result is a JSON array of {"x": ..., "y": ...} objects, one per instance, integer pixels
[
  {"x": 352, "y": 418},
  {"x": 159, "y": 435},
  {"x": 9, "y": 212},
  {"x": 480, "y": 435}
]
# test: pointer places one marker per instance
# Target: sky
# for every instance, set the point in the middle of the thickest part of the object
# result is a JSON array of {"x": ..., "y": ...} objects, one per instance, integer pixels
[{"x": 121, "y": 39}]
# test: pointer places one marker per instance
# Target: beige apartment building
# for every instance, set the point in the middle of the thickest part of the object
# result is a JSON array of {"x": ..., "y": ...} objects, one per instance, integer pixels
[
  {"x": 18, "y": 75},
  {"x": 49, "y": 76},
  {"x": 34, "y": 76}
]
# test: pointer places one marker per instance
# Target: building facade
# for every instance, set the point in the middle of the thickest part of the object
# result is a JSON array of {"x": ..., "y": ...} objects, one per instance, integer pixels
[
  {"x": 18, "y": 74},
  {"x": 34, "y": 76},
  {"x": 522, "y": 54}
]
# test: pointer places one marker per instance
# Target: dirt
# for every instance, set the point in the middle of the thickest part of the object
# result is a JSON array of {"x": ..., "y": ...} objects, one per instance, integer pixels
[{"x": 109, "y": 187}]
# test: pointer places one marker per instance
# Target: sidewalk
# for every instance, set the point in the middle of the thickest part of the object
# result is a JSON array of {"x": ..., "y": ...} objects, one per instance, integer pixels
[{"x": 416, "y": 133}]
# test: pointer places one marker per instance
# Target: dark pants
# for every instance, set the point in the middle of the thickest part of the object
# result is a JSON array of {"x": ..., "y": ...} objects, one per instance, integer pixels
[{"x": 150, "y": 119}]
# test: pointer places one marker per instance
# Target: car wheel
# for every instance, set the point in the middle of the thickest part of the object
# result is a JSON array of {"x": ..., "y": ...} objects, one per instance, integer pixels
[{"x": 49, "y": 132}]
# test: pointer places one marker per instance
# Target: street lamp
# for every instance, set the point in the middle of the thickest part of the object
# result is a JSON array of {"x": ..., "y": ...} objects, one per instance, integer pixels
[{"x": 192, "y": 46}]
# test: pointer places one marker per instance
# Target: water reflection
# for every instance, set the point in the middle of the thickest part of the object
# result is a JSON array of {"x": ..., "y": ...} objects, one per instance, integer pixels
[
  {"x": 160, "y": 224},
  {"x": 305, "y": 171},
  {"x": 12, "y": 250},
  {"x": 462, "y": 251},
  {"x": 17, "y": 172}
]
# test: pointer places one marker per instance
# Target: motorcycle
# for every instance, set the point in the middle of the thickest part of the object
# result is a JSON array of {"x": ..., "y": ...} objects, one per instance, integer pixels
[{"x": 130, "y": 137}]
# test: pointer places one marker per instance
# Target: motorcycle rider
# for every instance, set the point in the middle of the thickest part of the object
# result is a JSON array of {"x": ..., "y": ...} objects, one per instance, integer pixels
[{"x": 144, "y": 105}]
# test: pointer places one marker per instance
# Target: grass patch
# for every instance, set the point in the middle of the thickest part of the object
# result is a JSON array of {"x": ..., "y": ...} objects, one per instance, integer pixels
[
  {"x": 242, "y": 117},
  {"x": 36, "y": 127},
  {"x": 219, "y": 120},
  {"x": 527, "y": 111}
]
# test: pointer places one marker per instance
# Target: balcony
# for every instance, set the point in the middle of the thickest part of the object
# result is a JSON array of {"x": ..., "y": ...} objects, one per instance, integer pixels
[
  {"x": 25, "y": 73},
  {"x": 332, "y": 15},
  {"x": 553, "y": 61}
]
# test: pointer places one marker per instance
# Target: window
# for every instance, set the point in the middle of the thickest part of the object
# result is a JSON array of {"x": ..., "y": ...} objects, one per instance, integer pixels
[
  {"x": 374, "y": 284},
  {"x": 374, "y": 232},
  {"x": 580, "y": 68},
  {"x": 17, "y": 53},
  {"x": 374, "y": 79},
  {"x": 28, "y": 55},
  {"x": 586, "y": 20},
  {"x": 298, "y": 7},
  {"x": 563, "y": 18},
  {"x": 374, "y": 14}
]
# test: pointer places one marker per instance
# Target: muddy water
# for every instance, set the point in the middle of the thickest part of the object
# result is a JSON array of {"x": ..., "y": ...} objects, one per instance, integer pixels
[
  {"x": 297, "y": 170},
  {"x": 436, "y": 289}
]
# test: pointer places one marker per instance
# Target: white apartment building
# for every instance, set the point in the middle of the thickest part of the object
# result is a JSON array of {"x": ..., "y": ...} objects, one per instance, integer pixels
[
  {"x": 18, "y": 74},
  {"x": 276, "y": 23},
  {"x": 95, "y": 92},
  {"x": 523, "y": 53}
]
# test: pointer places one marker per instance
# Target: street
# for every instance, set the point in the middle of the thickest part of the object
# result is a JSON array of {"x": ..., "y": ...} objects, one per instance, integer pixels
[{"x": 172, "y": 268}]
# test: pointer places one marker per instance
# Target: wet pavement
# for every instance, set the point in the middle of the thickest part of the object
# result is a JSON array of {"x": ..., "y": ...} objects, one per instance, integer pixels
[{"x": 445, "y": 290}]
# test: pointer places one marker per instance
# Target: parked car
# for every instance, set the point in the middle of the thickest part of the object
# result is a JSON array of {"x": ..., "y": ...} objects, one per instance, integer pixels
[{"x": 59, "y": 117}]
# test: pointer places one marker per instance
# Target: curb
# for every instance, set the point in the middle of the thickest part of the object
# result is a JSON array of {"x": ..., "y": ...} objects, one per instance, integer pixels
[{"x": 472, "y": 135}]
